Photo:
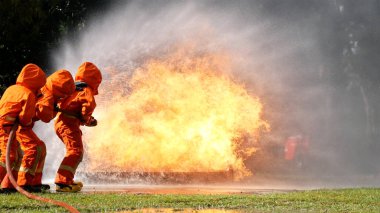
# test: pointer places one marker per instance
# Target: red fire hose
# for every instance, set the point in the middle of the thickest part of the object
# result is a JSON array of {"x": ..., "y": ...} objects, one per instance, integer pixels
[{"x": 21, "y": 190}]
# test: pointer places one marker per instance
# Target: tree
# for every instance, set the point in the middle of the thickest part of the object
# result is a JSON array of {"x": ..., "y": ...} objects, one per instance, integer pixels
[{"x": 30, "y": 29}]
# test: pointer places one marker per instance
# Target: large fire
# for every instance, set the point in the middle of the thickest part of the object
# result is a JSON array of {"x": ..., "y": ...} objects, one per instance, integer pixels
[{"x": 180, "y": 113}]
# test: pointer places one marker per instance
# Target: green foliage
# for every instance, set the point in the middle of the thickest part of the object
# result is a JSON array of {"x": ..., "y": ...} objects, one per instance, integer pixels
[{"x": 342, "y": 200}]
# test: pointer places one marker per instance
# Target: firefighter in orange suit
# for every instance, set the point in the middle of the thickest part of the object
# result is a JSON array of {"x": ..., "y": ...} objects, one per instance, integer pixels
[
  {"x": 18, "y": 104},
  {"x": 59, "y": 86},
  {"x": 75, "y": 111}
]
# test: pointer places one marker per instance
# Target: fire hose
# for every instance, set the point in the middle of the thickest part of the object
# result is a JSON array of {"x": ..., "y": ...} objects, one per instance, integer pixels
[{"x": 21, "y": 190}]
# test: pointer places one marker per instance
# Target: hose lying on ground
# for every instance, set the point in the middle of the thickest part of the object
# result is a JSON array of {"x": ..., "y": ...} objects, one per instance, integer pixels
[{"x": 21, "y": 190}]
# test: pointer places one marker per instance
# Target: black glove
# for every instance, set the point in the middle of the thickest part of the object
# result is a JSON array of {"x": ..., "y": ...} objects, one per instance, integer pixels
[
  {"x": 92, "y": 122},
  {"x": 56, "y": 108}
]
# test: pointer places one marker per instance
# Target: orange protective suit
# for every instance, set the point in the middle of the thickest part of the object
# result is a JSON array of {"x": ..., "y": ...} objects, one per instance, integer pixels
[
  {"x": 76, "y": 111},
  {"x": 59, "y": 85},
  {"x": 18, "y": 102}
]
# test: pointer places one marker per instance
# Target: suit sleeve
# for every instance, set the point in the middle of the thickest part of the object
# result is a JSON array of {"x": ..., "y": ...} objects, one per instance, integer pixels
[
  {"x": 45, "y": 107},
  {"x": 88, "y": 105},
  {"x": 28, "y": 110}
]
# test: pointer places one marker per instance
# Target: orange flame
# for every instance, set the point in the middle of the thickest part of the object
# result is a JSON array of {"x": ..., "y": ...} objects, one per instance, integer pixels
[{"x": 182, "y": 114}]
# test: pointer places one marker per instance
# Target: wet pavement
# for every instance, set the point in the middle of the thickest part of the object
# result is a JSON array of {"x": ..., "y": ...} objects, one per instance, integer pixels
[{"x": 183, "y": 189}]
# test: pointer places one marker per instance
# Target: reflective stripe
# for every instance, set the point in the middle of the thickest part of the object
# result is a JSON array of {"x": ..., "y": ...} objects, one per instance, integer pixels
[
  {"x": 80, "y": 160},
  {"x": 39, "y": 170},
  {"x": 17, "y": 163},
  {"x": 68, "y": 116},
  {"x": 33, "y": 168},
  {"x": 10, "y": 118},
  {"x": 37, "y": 160},
  {"x": 14, "y": 166},
  {"x": 26, "y": 170},
  {"x": 71, "y": 169},
  {"x": 67, "y": 168}
]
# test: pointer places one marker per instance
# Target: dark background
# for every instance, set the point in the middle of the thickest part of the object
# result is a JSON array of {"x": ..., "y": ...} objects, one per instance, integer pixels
[{"x": 31, "y": 29}]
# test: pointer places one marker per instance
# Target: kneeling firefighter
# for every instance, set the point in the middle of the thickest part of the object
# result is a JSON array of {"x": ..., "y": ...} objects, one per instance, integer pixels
[{"x": 75, "y": 111}]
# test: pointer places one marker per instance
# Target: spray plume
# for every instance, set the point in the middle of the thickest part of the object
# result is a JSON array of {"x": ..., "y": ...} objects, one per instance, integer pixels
[{"x": 270, "y": 59}]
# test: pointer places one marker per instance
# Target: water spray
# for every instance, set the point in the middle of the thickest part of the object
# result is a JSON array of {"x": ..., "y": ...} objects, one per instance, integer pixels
[{"x": 21, "y": 190}]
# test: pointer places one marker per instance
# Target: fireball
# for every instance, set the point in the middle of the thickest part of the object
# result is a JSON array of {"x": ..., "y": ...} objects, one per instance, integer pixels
[{"x": 176, "y": 113}]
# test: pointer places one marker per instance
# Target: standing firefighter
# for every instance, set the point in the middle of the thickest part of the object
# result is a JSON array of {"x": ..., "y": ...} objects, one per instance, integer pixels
[
  {"x": 75, "y": 111},
  {"x": 59, "y": 86},
  {"x": 18, "y": 104}
]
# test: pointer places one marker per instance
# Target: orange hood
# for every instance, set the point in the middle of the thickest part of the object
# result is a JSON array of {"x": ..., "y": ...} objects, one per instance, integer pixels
[
  {"x": 90, "y": 74},
  {"x": 60, "y": 83},
  {"x": 32, "y": 77}
]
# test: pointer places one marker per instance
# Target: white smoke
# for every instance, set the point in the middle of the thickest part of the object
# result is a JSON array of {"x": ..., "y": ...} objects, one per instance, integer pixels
[
  {"x": 133, "y": 32},
  {"x": 273, "y": 57}
]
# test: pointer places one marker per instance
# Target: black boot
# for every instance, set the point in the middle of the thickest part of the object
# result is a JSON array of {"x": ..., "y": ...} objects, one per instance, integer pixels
[
  {"x": 29, "y": 188},
  {"x": 7, "y": 190},
  {"x": 43, "y": 187}
]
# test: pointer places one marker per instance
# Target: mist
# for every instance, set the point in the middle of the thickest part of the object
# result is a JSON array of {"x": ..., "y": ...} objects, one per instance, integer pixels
[{"x": 286, "y": 53}]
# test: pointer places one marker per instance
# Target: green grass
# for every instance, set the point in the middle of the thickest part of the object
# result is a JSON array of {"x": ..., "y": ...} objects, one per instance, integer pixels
[{"x": 341, "y": 200}]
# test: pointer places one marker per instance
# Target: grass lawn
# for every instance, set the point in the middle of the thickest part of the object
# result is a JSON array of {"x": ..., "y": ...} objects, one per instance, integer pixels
[{"x": 337, "y": 200}]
